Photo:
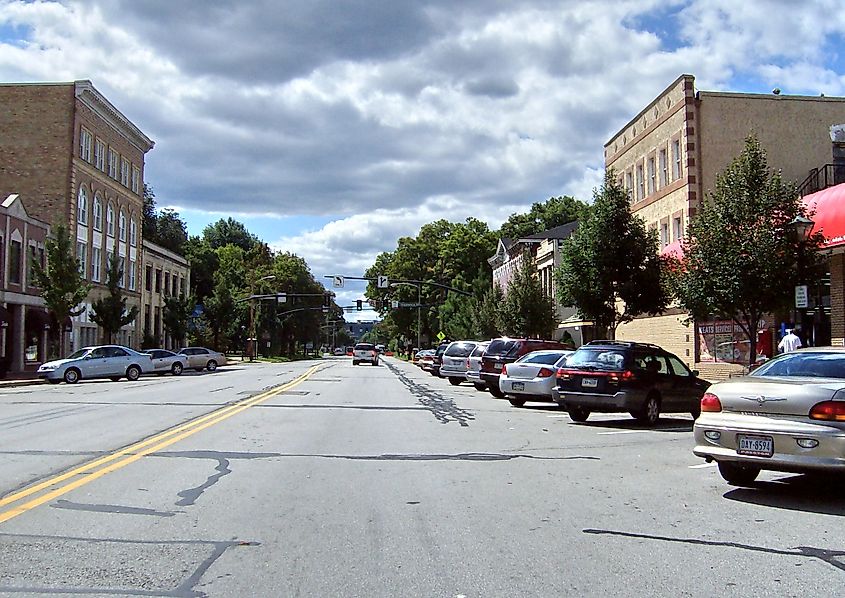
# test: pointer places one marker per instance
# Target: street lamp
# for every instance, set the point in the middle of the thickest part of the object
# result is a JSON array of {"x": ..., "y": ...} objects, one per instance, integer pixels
[
  {"x": 419, "y": 305},
  {"x": 252, "y": 333},
  {"x": 802, "y": 228}
]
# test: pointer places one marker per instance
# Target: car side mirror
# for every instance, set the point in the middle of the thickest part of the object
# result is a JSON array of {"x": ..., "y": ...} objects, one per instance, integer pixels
[{"x": 694, "y": 373}]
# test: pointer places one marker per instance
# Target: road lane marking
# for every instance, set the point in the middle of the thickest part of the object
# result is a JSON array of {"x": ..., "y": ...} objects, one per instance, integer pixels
[{"x": 132, "y": 453}]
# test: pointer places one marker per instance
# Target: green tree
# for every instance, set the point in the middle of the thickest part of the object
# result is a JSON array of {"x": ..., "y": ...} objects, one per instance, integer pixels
[
  {"x": 488, "y": 317},
  {"x": 739, "y": 253},
  {"x": 229, "y": 231},
  {"x": 555, "y": 211},
  {"x": 171, "y": 231},
  {"x": 526, "y": 311},
  {"x": 149, "y": 224},
  {"x": 110, "y": 312},
  {"x": 62, "y": 285},
  {"x": 610, "y": 268},
  {"x": 175, "y": 316}
]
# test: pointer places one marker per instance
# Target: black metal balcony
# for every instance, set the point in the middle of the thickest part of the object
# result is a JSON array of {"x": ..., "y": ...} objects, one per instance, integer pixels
[{"x": 822, "y": 178}]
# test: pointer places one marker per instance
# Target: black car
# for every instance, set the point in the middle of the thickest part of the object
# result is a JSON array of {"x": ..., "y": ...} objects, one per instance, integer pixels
[
  {"x": 438, "y": 357},
  {"x": 640, "y": 378}
]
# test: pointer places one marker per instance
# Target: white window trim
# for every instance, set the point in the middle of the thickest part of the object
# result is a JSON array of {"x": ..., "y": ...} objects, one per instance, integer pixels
[
  {"x": 110, "y": 220},
  {"x": 82, "y": 205},
  {"x": 121, "y": 226},
  {"x": 133, "y": 232},
  {"x": 96, "y": 263}
]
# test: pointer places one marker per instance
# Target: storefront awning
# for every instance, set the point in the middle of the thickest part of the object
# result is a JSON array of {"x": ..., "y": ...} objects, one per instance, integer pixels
[
  {"x": 827, "y": 209},
  {"x": 673, "y": 249}
]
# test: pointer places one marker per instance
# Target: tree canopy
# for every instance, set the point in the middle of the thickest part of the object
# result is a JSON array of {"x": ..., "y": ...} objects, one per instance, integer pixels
[{"x": 543, "y": 216}]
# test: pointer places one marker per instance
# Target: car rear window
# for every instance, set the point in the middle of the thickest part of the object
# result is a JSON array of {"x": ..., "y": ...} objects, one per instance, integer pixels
[
  {"x": 364, "y": 347},
  {"x": 812, "y": 365},
  {"x": 502, "y": 347},
  {"x": 544, "y": 358},
  {"x": 479, "y": 350},
  {"x": 597, "y": 358},
  {"x": 460, "y": 349}
]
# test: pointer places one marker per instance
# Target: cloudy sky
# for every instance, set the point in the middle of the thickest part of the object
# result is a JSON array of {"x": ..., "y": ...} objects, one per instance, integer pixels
[{"x": 333, "y": 127}]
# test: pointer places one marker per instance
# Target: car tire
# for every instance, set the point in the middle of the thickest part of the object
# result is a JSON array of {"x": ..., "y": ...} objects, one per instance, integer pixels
[
  {"x": 479, "y": 386},
  {"x": 176, "y": 369},
  {"x": 354, "y": 362},
  {"x": 737, "y": 474},
  {"x": 211, "y": 365},
  {"x": 72, "y": 376},
  {"x": 496, "y": 392},
  {"x": 133, "y": 372},
  {"x": 455, "y": 381},
  {"x": 650, "y": 413},
  {"x": 578, "y": 414},
  {"x": 516, "y": 402}
]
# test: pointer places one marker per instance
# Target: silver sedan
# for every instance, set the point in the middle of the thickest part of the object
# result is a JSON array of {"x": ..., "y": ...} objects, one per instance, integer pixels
[
  {"x": 788, "y": 415},
  {"x": 532, "y": 377},
  {"x": 165, "y": 361},
  {"x": 107, "y": 361},
  {"x": 201, "y": 358}
]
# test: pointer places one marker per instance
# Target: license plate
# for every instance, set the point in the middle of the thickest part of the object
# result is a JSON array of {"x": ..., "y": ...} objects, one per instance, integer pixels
[
  {"x": 517, "y": 385},
  {"x": 759, "y": 446},
  {"x": 590, "y": 382}
]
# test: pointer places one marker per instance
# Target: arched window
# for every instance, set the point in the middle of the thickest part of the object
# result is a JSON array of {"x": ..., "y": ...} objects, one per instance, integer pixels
[
  {"x": 110, "y": 221},
  {"x": 98, "y": 212},
  {"x": 122, "y": 226},
  {"x": 133, "y": 232},
  {"x": 82, "y": 206}
]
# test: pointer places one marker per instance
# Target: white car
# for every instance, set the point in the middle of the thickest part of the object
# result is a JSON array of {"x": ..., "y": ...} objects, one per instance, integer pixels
[
  {"x": 201, "y": 358},
  {"x": 532, "y": 377},
  {"x": 107, "y": 361},
  {"x": 364, "y": 352},
  {"x": 453, "y": 364}
]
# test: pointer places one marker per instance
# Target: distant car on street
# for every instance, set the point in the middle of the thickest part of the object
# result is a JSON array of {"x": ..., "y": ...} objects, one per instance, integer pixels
[
  {"x": 104, "y": 361},
  {"x": 201, "y": 358},
  {"x": 165, "y": 361},
  {"x": 364, "y": 352},
  {"x": 338, "y": 351}
]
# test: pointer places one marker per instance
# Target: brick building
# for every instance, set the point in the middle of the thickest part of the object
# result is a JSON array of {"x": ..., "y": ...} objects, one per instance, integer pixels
[
  {"x": 77, "y": 159},
  {"x": 668, "y": 157}
]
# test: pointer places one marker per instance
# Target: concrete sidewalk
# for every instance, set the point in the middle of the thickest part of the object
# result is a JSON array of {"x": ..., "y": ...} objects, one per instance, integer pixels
[{"x": 21, "y": 379}]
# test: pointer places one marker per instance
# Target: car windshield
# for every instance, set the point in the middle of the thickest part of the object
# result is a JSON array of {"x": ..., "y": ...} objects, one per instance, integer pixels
[
  {"x": 810, "y": 364},
  {"x": 502, "y": 347},
  {"x": 543, "y": 358},
  {"x": 78, "y": 354},
  {"x": 460, "y": 349},
  {"x": 597, "y": 358}
]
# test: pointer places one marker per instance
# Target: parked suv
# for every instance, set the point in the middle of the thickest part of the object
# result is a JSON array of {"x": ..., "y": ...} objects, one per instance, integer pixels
[
  {"x": 438, "y": 357},
  {"x": 473, "y": 364},
  {"x": 640, "y": 378},
  {"x": 364, "y": 352},
  {"x": 505, "y": 350},
  {"x": 453, "y": 363}
]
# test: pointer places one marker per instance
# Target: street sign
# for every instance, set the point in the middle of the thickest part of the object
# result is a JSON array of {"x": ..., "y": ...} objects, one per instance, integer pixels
[
  {"x": 337, "y": 282},
  {"x": 281, "y": 298},
  {"x": 383, "y": 282},
  {"x": 440, "y": 336},
  {"x": 801, "y": 297},
  {"x": 394, "y": 303}
]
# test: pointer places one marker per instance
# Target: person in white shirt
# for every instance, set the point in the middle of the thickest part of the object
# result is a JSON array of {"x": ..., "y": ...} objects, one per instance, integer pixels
[{"x": 789, "y": 342}]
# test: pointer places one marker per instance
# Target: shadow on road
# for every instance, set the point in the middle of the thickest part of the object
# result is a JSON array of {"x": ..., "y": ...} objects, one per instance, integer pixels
[
  {"x": 665, "y": 424},
  {"x": 816, "y": 493}
]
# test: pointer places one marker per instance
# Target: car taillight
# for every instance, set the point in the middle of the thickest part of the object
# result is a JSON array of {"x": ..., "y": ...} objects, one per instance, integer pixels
[
  {"x": 625, "y": 376},
  {"x": 833, "y": 411},
  {"x": 710, "y": 403},
  {"x": 544, "y": 373},
  {"x": 504, "y": 370},
  {"x": 562, "y": 374}
]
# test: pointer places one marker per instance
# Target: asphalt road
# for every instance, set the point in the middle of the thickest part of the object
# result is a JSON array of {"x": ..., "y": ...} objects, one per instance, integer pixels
[{"x": 336, "y": 480}]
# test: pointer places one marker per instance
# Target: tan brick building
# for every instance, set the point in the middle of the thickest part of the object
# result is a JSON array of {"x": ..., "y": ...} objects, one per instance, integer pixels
[
  {"x": 668, "y": 157},
  {"x": 166, "y": 274},
  {"x": 77, "y": 159}
]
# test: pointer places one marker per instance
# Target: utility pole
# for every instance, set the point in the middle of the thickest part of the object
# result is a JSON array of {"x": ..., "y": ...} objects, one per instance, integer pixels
[{"x": 253, "y": 340}]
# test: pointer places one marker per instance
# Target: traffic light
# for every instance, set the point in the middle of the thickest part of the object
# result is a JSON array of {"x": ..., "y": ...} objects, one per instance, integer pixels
[{"x": 359, "y": 305}]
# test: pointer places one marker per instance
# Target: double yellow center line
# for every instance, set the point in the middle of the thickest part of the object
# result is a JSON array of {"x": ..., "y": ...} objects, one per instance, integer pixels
[{"x": 56, "y": 486}]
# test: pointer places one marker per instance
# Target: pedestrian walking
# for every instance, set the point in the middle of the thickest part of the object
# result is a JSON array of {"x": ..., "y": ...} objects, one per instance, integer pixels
[{"x": 789, "y": 342}]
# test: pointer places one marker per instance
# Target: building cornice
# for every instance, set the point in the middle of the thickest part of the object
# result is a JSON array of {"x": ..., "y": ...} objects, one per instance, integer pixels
[
  {"x": 97, "y": 102},
  {"x": 162, "y": 252}
]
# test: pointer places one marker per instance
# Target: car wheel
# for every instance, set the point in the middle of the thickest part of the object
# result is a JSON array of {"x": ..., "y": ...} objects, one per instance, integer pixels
[
  {"x": 737, "y": 474},
  {"x": 176, "y": 370},
  {"x": 516, "y": 402},
  {"x": 71, "y": 376},
  {"x": 650, "y": 413},
  {"x": 479, "y": 386},
  {"x": 578, "y": 414},
  {"x": 354, "y": 362},
  {"x": 455, "y": 381},
  {"x": 115, "y": 378},
  {"x": 133, "y": 372},
  {"x": 496, "y": 392},
  {"x": 211, "y": 365}
]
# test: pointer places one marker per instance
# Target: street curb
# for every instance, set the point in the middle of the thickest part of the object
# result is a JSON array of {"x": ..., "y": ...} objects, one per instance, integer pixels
[{"x": 16, "y": 383}]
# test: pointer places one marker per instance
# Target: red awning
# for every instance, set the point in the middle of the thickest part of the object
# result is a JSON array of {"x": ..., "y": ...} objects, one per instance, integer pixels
[{"x": 827, "y": 209}]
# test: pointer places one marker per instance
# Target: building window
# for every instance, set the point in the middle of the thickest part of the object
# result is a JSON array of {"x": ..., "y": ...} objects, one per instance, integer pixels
[
  {"x": 149, "y": 279},
  {"x": 664, "y": 233},
  {"x": 132, "y": 268},
  {"x": 640, "y": 182},
  {"x": 664, "y": 168},
  {"x": 677, "y": 227},
  {"x": 121, "y": 264},
  {"x": 182, "y": 287},
  {"x": 85, "y": 145},
  {"x": 167, "y": 283},
  {"x": 652, "y": 177},
  {"x": 15, "y": 262},
  {"x": 100, "y": 155},
  {"x": 113, "y": 158},
  {"x": 96, "y": 263},
  {"x": 110, "y": 221},
  {"x": 82, "y": 257},
  {"x": 98, "y": 213},
  {"x": 147, "y": 318},
  {"x": 676, "y": 159},
  {"x": 158, "y": 281},
  {"x": 30, "y": 276},
  {"x": 133, "y": 232},
  {"x": 629, "y": 184},
  {"x": 82, "y": 206},
  {"x": 124, "y": 172},
  {"x": 136, "y": 179},
  {"x": 122, "y": 226}
]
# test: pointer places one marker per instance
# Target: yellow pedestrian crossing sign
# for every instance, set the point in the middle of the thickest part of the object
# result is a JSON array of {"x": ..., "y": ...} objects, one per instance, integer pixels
[{"x": 440, "y": 336}]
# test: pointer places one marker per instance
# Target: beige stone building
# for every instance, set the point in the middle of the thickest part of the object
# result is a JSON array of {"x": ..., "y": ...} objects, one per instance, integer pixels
[
  {"x": 78, "y": 160},
  {"x": 668, "y": 157},
  {"x": 166, "y": 274}
]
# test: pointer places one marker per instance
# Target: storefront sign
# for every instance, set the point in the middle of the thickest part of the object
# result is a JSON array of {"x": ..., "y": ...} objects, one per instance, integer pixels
[{"x": 801, "y": 297}]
